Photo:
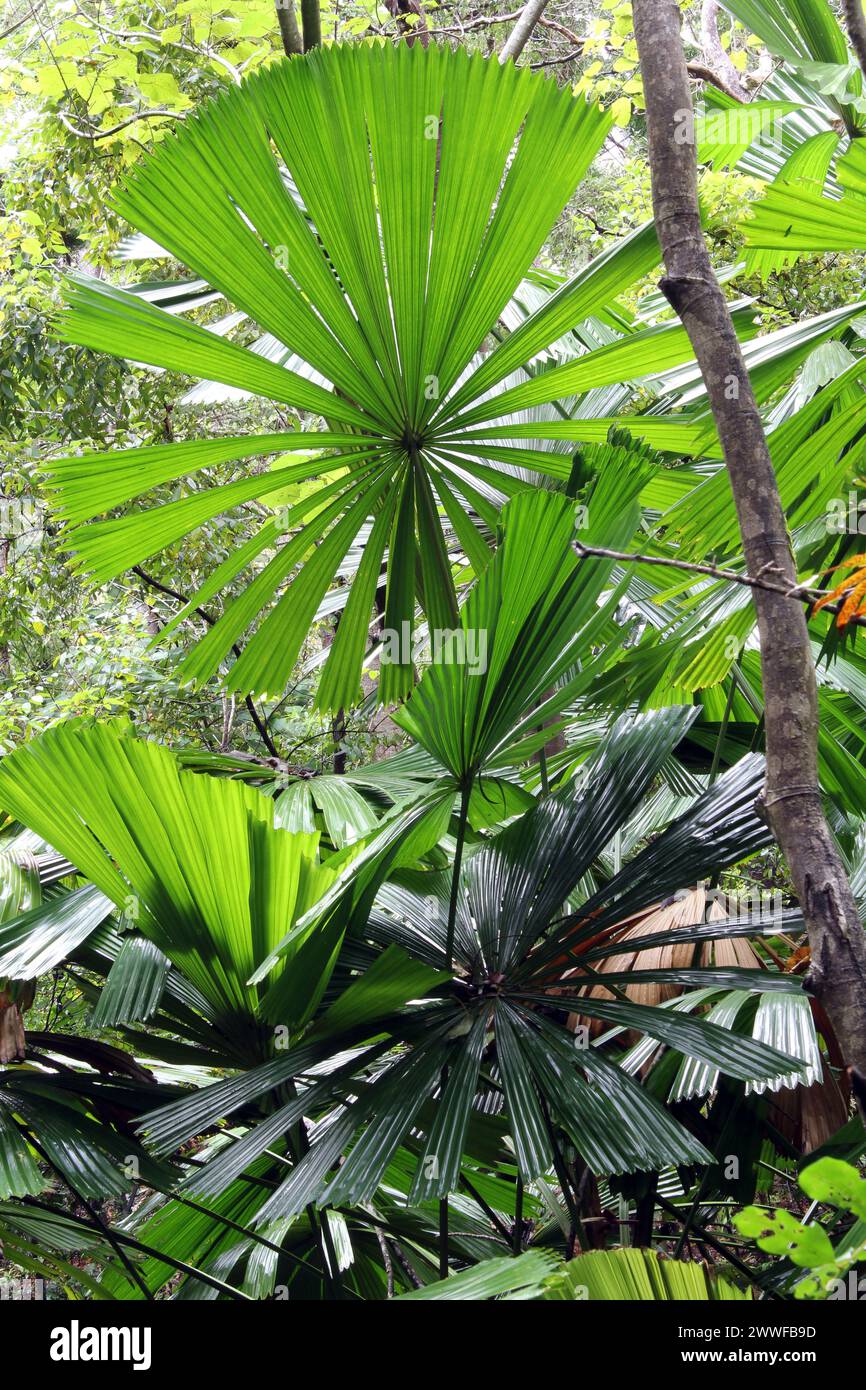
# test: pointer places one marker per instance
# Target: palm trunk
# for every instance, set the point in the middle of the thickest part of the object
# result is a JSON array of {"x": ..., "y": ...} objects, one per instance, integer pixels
[{"x": 792, "y": 799}]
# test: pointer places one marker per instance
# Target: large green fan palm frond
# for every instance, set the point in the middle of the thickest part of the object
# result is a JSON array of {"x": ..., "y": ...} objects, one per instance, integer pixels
[
  {"x": 195, "y": 862},
  {"x": 627, "y": 1275},
  {"x": 514, "y": 966},
  {"x": 429, "y": 182},
  {"x": 795, "y": 217}
]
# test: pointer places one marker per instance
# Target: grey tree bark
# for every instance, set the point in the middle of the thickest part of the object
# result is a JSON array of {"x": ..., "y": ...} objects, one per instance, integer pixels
[
  {"x": 792, "y": 799},
  {"x": 856, "y": 26},
  {"x": 311, "y": 20},
  {"x": 289, "y": 30},
  {"x": 519, "y": 36}
]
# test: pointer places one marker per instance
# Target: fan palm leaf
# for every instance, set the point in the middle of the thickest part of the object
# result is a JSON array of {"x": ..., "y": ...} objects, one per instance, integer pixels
[{"x": 419, "y": 176}]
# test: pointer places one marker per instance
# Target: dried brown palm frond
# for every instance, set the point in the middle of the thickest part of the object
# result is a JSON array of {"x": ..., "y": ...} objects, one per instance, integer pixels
[{"x": 685, "y": 910}]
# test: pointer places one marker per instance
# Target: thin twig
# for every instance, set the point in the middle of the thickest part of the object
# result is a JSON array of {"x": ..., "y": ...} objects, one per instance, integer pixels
[
  {"x": 157, "y": 114},
  {"x": 556, "y": 62},
  {"x": 18, "y": 24},
  {"x": 489, "y": 21},
  {"x": 211, "y": 620},
  {"x": 805, "y": 592}
]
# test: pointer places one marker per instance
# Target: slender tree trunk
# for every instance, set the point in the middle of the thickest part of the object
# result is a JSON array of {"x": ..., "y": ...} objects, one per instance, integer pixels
[
  {"x": 289, "y": 31},
  {"x": 519, "y": 36},
  {"x": 792, "y": 801},
  {"x": 856, "y": 25},
  {"x": 312, "y": 22}
]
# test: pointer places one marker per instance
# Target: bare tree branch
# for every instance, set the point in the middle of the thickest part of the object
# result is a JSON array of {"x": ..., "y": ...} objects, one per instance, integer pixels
[
  {"x": 792, "y": 800},
  {"x": 487, "y": 21},
  {"x": 718, "y": 61},
  {"x": 519, "y": 37},
  {"x": 121, "y": 125},
  {"x": 16, "y": 24},
  {"x": 159, "y": 40},
  {"x": 558, "y": 62},
  {"x": 705, "y": 74},
  {"x": 804, "y": 592}
]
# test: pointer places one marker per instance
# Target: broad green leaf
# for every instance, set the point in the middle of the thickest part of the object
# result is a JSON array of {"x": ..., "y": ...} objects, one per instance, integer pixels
[
  {"x": 780, "y": 1233},
  {"x": 837, "y": 1183}
]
